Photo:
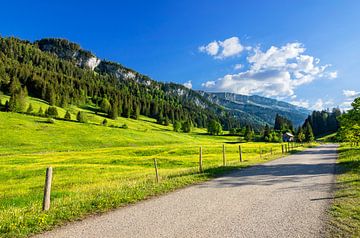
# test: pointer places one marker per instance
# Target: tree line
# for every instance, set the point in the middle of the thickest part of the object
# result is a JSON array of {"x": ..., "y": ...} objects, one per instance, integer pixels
[{"x": 26, "y": 70}]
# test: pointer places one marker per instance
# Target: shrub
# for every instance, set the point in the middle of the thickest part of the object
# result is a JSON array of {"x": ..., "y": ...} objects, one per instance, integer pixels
[
  {"x": 124, "y": 126},
  {"x": 105, "y": 122},
  {"x": 81, "y": 117},
  {"x": 52, "y": 112},
  {"x": 186, "y": 126},
  {"x": 50, "y": 120}
]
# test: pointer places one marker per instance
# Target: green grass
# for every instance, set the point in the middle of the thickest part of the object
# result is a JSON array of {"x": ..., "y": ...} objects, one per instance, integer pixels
[
  {"x": 99, "y": 168},
  {"x": 345, "y": 210}
]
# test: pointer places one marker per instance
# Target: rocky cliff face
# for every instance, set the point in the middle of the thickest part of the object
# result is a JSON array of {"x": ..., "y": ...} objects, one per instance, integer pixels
[{"x": 69, "y": 51}]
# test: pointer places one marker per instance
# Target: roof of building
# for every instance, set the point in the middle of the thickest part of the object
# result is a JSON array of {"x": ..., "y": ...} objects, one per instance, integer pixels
[{"x": 289, "y": 134}]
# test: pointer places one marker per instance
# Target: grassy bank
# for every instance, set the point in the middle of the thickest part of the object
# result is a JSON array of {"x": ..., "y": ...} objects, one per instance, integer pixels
[{"x": 346, "y": 208}]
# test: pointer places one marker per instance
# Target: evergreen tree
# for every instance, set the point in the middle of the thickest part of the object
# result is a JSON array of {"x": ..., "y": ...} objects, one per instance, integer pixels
[
  {"x": 177, "y": 126},
  {"x": 7, "y": 106},
  {"x": 105, "y": 105},
  {"x": 114, "y": 113},
  {"x": 67, "y": 116},
  {"x": 30, "y": 109},
  {"x": 166, "y": 121},
  {"x": 309, "y": 135},
  {"x": 186, "y": 126},
  {"x": 300, "y": 136},
  {"x": 40, "y": 112},
  {"x": 51, "y": 112},
  {"x": 249, "y": 133},
  {"x": 81, "y": 117},
  {"x": 266, "y": 135},
  {"x": 17, "y": 100},
  {"x": 214, "y": 127}
]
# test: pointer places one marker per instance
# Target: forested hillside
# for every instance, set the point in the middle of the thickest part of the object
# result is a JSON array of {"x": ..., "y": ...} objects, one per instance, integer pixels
[{"x": 63, "y": 73}]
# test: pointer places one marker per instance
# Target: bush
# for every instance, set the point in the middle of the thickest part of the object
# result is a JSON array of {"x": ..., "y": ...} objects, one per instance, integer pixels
[
  {"x": 52, "y": 112},
  {"x": 105, "y": 122},
  {"x": 214, "y": 128},
  {"x": 124, "y": 126},
  {"x": 186, "y": 126},
  {"x": 81, "y": 117},
  {"x": 50, "y": 120}
]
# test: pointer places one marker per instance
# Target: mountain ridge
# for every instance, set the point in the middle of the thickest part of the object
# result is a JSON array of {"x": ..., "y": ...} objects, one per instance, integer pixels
[{"x": 254, "y": 110}]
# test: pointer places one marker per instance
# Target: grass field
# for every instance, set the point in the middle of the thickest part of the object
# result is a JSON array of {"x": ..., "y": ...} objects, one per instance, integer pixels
[
  {"x": 346, "y": 208},
  {"x": 98, "y": 168}
]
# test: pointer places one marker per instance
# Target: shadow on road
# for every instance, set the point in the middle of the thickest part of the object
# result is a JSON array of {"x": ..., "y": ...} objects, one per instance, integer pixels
[{"x": 283, "y": 172}]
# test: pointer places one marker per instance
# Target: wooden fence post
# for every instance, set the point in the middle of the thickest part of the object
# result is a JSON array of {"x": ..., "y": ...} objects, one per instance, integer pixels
[
  {"x": 271, "y": 152},
  {"x": 224, "y": 157},
  {"x": 240, "y": 153},
  {"x": 200, "y": 160},
  {"x": 260, "y": 152},
  {"x": 47, "y": 189},
  {"x": 282, "y": 148},
  {"x": 156, "y": 171}
]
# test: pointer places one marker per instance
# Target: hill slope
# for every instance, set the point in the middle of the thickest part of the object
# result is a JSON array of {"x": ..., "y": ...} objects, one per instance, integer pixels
[{"x": 63, "y": 73}]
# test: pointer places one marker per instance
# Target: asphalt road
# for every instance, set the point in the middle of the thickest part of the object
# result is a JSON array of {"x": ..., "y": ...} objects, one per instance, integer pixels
[{"x": 287, "y": 197}]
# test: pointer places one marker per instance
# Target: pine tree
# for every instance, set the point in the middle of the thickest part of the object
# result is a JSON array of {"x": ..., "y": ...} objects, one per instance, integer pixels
[
  {"x": 81, "y": 117},
  {"x": 214, "y": 127},
  {"x": 40, "y": 112},
  {"x": 67, "y": 116},
  {"x": 249, "y": 133},
  {"x": 309, "y": 135},
  {"x": 186, "y": 126},
  {"x": 266, "y": 135},
  {"x": 52, "y": 112},
  {"x": 300, "y": 136},
  {"x": 114, "y": 110},
  {"x": 30, "y": 109},
  {"x": 177, "y": 126},
  {"x": 105, "y": 105}
]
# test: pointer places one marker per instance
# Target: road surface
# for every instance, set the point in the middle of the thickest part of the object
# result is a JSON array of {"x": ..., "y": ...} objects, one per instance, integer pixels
[{"x": 287, "y": 197}]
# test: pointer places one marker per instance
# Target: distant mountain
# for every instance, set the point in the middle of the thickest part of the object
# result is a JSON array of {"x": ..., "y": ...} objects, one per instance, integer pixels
[
  {"x": 38, "y": 64},
  {"x": 261, "y": 109}
]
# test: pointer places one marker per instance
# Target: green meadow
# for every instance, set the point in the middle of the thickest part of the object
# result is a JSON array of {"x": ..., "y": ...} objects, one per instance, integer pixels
[
  {"x": 345, "y": 211},
  {"x": 97, "y": 168}
]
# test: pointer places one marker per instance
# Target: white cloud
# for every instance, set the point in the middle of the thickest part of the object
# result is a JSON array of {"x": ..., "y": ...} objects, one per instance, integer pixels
[
  {"x": 333, "y": 75},
  {"x": 320, "y": 104},
  {"x": 350, "y": 93},
  {"x": 211, "y": 49},
  {"x": 276, "y": 72},
  {"x": 208, "y": 84},
  {"x": 238, "y": 66},
  {"x": 188, "y": 84},
  {"x": 224, "y": 49},
  {"x": 301, "y": 103}
]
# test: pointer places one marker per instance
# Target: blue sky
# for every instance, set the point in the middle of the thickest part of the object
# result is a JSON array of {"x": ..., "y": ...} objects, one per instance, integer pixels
[{"x": 305, "y": 52}]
